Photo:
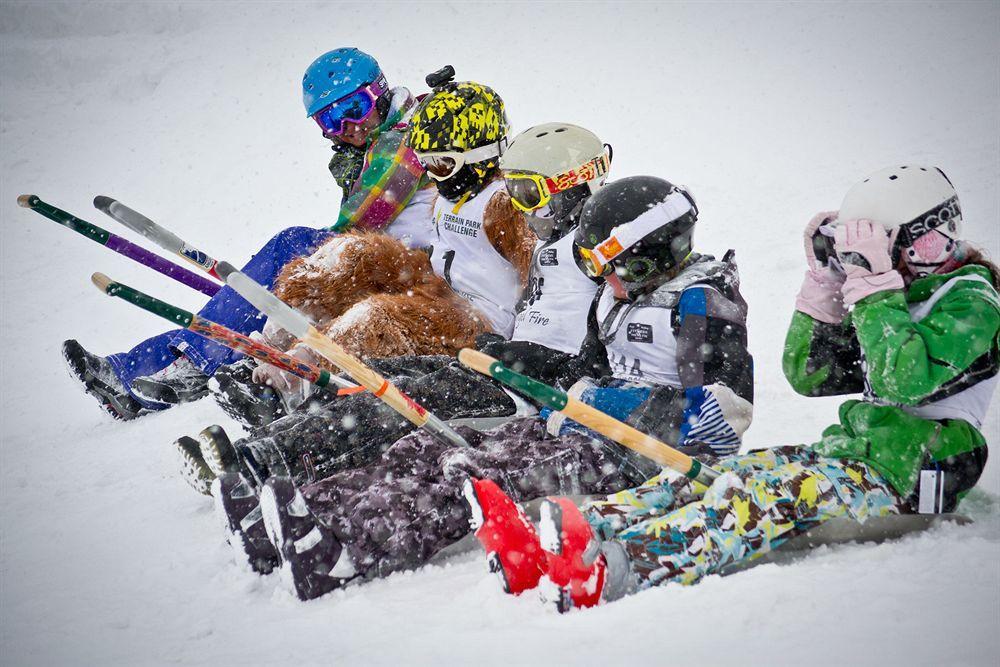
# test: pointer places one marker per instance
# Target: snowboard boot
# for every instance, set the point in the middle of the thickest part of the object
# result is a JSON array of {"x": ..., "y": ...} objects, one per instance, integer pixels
[
  {"x": 310, "y": 554},
  {"x": 180, "y": 382},
  {"x": 194, "y": 469},
  {"x": 99, "y": 380},
  {"x": 575, "y": 572},
  {"x": 238, "y": 510},
  {"x": 217, "y": 451},
  {"x": 513, "y": 550},
  {"x": 249, "y": 403}
]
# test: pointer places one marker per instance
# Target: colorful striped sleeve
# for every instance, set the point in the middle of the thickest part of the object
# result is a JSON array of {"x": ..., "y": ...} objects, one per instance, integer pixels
[{"x": 391, "y": 176}]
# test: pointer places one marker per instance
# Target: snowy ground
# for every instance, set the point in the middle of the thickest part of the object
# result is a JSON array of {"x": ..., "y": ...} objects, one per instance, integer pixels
[{"x": 191, "y": 113}]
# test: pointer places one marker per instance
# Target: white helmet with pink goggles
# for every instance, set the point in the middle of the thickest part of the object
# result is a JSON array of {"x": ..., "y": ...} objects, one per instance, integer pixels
[{"x": 910, "y": 201}]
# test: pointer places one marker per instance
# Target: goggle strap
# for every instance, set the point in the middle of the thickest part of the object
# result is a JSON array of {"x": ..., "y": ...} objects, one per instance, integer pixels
[
  {"x": 484, "y": 153},
  {"x": 625, "y": 236},
  {"x": 588, "y": 171},
  {"x": 937, "y": 217}
]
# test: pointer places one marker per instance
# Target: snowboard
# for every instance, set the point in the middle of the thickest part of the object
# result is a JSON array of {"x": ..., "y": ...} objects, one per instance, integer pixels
[{"x": 844, "y": 530}]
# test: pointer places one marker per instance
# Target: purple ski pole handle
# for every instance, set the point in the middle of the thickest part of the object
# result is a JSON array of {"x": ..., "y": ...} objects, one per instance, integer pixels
[{"x": 166, "y": 267}]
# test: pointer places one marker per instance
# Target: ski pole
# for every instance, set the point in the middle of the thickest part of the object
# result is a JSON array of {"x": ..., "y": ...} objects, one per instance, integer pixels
[
  {"x": 231, "y": 339},
  {"x": 158, "y": 234},
  {"x": 590, "y": 417},
  {"x": 119, "y": 245},
  {"x": 296, "y": 324}
]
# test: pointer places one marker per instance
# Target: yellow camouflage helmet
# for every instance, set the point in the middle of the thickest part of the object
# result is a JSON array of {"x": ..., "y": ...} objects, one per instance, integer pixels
[{"x": 458, "y": 116}]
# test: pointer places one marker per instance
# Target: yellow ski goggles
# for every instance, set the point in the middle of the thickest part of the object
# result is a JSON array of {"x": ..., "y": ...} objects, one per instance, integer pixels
[
  {"x": 594, "y": 267},
  {"x": 529, "y": 191}
]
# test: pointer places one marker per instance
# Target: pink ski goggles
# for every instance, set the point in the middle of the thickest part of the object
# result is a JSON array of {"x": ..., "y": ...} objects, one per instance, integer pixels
[{"x": 354, "y": 108}]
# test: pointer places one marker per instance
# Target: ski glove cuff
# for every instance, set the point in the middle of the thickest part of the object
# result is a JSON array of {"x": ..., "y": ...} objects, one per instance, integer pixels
[
  {"x": 860, "y": 285},
  {"x": 820, "y": 296}
]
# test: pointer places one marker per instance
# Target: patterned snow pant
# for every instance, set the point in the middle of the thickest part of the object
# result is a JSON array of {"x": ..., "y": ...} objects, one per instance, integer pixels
[
  {"x": 226, "y": 308},
  {"x": 353, "y": 431},
  {"x": 396, "y": 514},
  {"x": 675, "y": 530}
]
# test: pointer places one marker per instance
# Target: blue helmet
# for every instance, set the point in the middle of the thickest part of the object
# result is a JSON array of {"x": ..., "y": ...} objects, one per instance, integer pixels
[{"x": 335, "y": 74}]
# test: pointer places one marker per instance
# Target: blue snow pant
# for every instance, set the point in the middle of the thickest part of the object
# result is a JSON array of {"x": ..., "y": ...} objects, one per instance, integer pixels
[{"x": 226, "y": 308}]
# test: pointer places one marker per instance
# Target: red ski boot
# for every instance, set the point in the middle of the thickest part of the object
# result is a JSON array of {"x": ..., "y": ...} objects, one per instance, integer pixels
[
  {"x": 576, "y": 569},
  {"x": 506, "y": 533}
]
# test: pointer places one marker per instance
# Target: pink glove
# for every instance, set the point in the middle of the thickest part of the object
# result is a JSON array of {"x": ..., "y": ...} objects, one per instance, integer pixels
[
  {"x": 863, "y": 248},
  {"x": 820, "y": 297}
]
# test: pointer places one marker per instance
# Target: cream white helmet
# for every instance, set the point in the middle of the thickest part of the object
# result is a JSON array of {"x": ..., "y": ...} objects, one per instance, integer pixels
[{"x": 550, "y": 170}]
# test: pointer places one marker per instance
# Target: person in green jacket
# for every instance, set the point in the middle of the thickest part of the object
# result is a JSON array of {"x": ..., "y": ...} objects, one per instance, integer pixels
[{"x": 896, "y": 306}]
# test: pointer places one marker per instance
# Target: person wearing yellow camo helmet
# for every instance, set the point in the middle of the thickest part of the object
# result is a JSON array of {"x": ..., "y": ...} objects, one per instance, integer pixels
[{"x": 459, "y": 132}]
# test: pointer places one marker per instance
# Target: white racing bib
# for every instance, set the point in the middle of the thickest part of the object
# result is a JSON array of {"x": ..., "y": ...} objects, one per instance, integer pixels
[
  {"x": 644, "y": 348},
  {"x": 464, "y": 257},
  {"x": 558, "y": 300}
]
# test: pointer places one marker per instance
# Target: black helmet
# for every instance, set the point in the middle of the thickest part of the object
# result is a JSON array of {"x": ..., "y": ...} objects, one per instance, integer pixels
[{"x": 641, "y": 227}]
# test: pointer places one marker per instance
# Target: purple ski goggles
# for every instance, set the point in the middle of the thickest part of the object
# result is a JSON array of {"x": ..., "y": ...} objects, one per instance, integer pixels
[{"x": 354, "y": 108}]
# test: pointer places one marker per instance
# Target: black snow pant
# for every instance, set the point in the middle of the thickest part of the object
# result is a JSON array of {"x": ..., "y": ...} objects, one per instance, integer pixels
[
  {"x": 352, "y": 431},
  {"x": 397, "y": 513}
]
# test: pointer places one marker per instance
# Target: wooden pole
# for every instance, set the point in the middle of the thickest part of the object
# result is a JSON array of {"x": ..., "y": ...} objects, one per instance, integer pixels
[{"x": 590, "y": 417}]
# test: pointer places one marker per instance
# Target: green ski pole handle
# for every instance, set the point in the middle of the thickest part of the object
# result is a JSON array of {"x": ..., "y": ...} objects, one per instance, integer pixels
[
  {"x": 590, "y": 417},
  {"x": 231, "y": 339}
]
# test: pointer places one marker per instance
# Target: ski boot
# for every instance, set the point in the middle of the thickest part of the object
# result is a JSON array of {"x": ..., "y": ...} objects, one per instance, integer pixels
[
  {"x": 99, "y": 380},
  {"x": 249, "y": 403},
  {"x": 238, "y": 510},
  {"x": 311, "y": 556},
  {"x": 576, "y": 569},
  {"x": 180, "y": 382},
  {"x": 206, "y": 458},
  {"x": 194, "y": 469},
  {"x": 217, "y": 451},
  {"x": 513, "y": 551}
]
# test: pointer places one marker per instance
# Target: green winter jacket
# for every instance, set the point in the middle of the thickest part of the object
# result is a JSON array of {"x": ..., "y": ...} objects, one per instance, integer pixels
[{"x": 948, "y": 344}]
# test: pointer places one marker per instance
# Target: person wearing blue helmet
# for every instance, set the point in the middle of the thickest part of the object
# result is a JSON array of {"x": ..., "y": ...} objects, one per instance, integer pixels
[
  {"x": 345, "y": 92},
  {"x": 385, "y": 189}
]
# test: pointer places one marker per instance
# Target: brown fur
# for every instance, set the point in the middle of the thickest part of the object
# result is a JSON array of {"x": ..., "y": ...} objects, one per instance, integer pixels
[
  {"x": 398, "y": 324},
  {"x": 411, "y": 310},
  {"x": 509, "y": 234},
  {"x": 373, "y": 264}
]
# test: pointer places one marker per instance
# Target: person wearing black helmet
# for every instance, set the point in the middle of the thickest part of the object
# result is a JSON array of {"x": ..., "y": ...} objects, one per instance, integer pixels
[
  {"x": 668, "y": 315},
  {"x": 674, "y": 326}
]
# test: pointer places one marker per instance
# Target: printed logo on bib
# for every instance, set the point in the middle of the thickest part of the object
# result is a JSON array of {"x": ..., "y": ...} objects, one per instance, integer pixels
[
  {"x": 535, "y": 289},
  {"x": 548, "y": 257},
  {"x": 639, "y": 333},
  {"x": 620, "y": 366},
  {"x": 459, "y": 225}
]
